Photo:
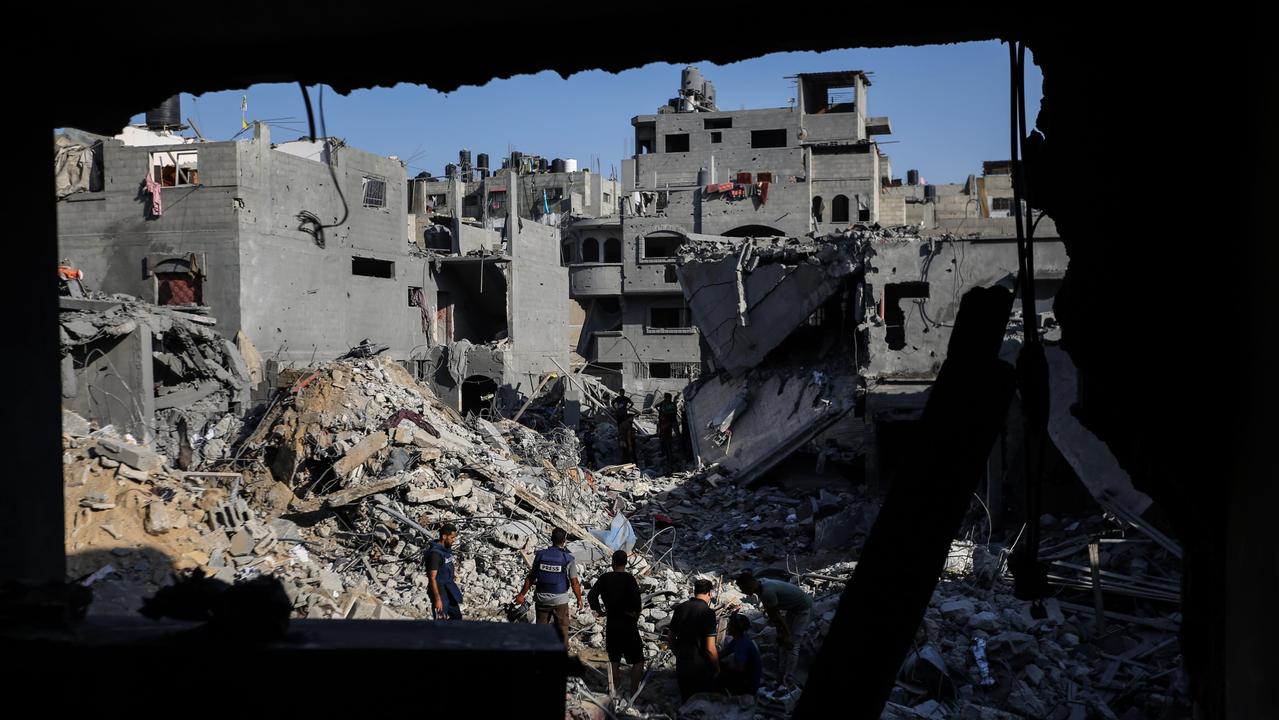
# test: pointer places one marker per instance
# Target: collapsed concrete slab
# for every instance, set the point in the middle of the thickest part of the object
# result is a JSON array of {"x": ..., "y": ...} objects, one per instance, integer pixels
[
  {"x": 747, "y": 296},
  {"x": 750, "y": 423}
]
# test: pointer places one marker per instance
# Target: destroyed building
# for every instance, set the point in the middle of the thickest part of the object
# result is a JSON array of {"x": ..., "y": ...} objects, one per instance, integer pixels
[
  {"x": 494, "y": 313},
  {"x": 256, "y": 232},
  {"x": 1201, "y": 473},
  {"x": 551, "y": 192},
  {"x": 810, "y": 167}
]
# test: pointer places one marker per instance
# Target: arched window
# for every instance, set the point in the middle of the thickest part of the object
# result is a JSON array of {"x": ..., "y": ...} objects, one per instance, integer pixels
[
  {"x": 567, "y": 256},
  {"x": 818, "y": 208},
  {"x": 612, "y": 250},
  {"x": 839, "y": 209},
  {"x": 590, "y": 250}
]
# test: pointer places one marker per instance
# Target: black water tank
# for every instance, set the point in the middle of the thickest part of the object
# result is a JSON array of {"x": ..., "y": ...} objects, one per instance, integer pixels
[
  {"x": 424, "y": 175},
  {"x": 912, "y": 177},
  {"x": 482, "y": 161},
  {"x": 464, "y": 158},
  {"x": 167, "y": 115},
  {"x": 450, "y": 170},
  {"x": 516, "y": 156},
  {"x": 930, "y": 193},
  {"x": 558, "y": 166},
  {"x": 541, "y": 164}
]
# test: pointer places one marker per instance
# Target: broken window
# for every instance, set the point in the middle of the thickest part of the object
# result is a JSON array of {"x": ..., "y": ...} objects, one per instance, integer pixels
[
  {"x": 612, "y": 250},
  {"x": 677, "y": 142},
  {"x": 659, "y": 370},
  {"x": 1001, "y": 203},
  {"x": 678, "y": 317},
  {"x": 717, "y": 137},
  {"x": 817, "y": 208},
  {"x": 863, "y": 210},
  {"x": 607, "y": 198},
  {"x": 839, "y": 209},
  {"x": 768, "y": 138},
  {"x": 374, "y": 192},
  {"x": 174, "y": 168},
  {"x": 661, "y": 245},
  {"x": 414, "y": 294},
  {"x": 370, "y": 267},
  {"x": 719, "y": 123},
  {"x": 895, "y": 316},
  {"x": 670, "y": 276},
  {"x": 590, "y": 250}
]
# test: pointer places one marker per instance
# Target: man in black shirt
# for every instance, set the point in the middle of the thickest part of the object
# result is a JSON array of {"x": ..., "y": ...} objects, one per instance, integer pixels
[
  {"x": 693, "y": 631},
  {"x": 446, "y": 596},
  {"x": 622, "y": 606}
]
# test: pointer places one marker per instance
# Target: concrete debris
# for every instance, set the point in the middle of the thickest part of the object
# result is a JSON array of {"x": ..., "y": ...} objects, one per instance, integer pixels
[{"x": 301, "y": 500}]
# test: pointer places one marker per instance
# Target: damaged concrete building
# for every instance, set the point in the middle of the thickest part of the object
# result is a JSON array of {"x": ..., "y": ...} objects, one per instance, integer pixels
[
  {"x": 257, "y": 233},
  {"x": 810, "y": 167}
]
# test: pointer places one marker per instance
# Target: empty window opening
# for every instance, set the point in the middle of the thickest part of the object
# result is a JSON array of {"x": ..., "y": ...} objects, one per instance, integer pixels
[
  {"x": 369, "y": 267},
  {"x": 179, "y": 288},
  {"x": 863, "y": 210},
  {"x": 894, "y": 315},
  {"x": 646, "y": 146},
  {"x": 661, "y": 245},
  {"x": 478, "y": 395},
  {"x": 677, "y": 142},
  {"x": 415, "y": 297},
  {"x": 818, "y": 208},
  {"x": 590, "y": 250},
  {"x": 768, "y": 138},
  {"x": 374, "y": 192},
  {"x": 719, "y": 123},
  {"x": 659, "y": 370},
  {"x": 609, "y": 373},
  {"x": 612, "y": 250},
  {"x": 608, "y": 199},
  {"x": 670, "y": 276},
  {"x": 567, "y": 254},
  {"x": 717, "y": 137},
  {"x": 1001, "y": 204},
  {"x": 839, "y": 209},
  {"x": 843, "y": 149},
  {"x": 669, "y": 317},
  {"x": 840, "y": 99},
  {"x": 174, "y": 168}
]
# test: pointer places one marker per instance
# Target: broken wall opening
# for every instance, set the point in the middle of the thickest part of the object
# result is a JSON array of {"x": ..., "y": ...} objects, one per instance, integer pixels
[
  {"x": 895, "y": 315},
  {"x": 473, "y": 295},
  {"x": 478, "y": 395}
]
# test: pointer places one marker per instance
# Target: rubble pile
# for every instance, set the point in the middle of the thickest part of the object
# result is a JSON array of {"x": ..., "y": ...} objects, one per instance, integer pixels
[{"x": 200, "y": 378}]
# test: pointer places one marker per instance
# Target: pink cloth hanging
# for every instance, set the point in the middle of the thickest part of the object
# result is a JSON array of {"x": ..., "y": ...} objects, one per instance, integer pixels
[{"x": 153, "y": 188}]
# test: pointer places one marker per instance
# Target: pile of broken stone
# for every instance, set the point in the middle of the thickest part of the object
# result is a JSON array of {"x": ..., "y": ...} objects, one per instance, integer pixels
[{"x": 336, "y": 487}]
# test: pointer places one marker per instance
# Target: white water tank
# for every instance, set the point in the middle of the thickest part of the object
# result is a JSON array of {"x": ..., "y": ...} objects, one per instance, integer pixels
[{"x": 570, "y": 165}]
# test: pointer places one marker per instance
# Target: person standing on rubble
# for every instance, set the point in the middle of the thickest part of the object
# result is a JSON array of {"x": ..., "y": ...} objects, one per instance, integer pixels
[
  {"x": 624, "y": 417},
  {"x": 780, "y": 597},
  {"x": 667, "y": 427},
  {"x": 446, "y": 596},
  {"x": 693, "y": 631},
  {"x": 622, "y": 605},
  {"x": 554, "y": 571}
]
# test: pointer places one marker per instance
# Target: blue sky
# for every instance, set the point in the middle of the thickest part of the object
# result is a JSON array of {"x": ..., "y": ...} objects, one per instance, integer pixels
[{"x": 948, "y": 105}]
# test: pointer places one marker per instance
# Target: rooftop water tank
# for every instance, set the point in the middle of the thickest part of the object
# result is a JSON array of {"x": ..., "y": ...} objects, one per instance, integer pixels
[
  {"x": 570, "y": 165},
  {"x": 691, "y": 80},
  {"x": 167, "y": 115}
]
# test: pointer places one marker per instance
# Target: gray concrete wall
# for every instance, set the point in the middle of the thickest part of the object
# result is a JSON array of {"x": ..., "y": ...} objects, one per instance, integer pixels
[
  {"x": 970, "y": 264},
  {"x": 114, "y": 383},
  {"x": 109, "y": 235},
  {"x": 851, "y": 175},
  {"x": 302, "y": 301},
  {"x": 539, "y": 305}
]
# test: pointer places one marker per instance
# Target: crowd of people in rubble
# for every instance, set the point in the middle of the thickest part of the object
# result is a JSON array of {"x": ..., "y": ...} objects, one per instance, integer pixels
[{"x": 702, "y": 664}]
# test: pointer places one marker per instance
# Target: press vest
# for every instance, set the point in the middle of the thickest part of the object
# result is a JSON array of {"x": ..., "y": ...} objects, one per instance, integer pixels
[
  {"x": 444, "y": 576},
  {"x": 552, "y": 569}
]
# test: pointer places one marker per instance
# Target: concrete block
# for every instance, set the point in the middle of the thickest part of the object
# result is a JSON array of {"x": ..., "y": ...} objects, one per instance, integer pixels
[
  {"x": 358, "y": 454},
  {"x": 516, "y": 535},
  {"x": 403, "y": 435},
  {"x": 242, "y": 543},
  {"x": 159, "y": 519},
  {"x": 421, "y": 495},
  {"x": 958, "y": 611},
  {"x": 135, "y": 457}
]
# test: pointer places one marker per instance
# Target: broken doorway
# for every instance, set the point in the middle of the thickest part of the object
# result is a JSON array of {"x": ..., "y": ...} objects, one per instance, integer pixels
[{"x": 478, "y": 394}]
